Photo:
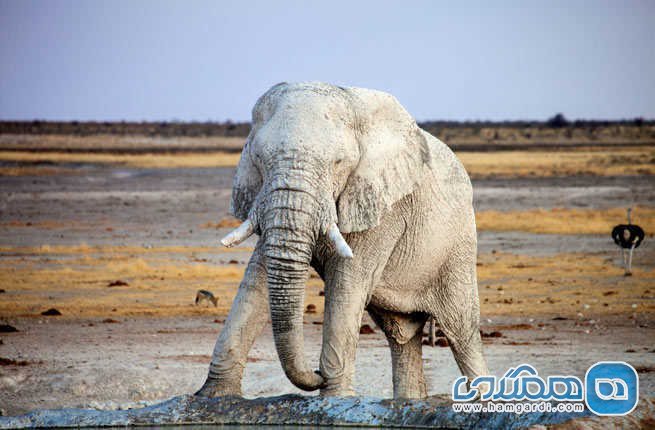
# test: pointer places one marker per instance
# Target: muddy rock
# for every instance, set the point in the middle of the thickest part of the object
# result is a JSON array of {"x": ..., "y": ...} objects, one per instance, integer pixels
[
  {"x": 6, "y": 328},
  {"x": 434, "y": 411},
  {"x": 11, "y": 362},
  {"x": 118, "y": 283},
  {"x": 491, "y": 334}
]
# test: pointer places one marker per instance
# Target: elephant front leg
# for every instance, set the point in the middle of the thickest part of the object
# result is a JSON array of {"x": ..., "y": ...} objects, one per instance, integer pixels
[
  {"x": 344, "y": 305},
  {"x": 245, "y": 321},
  {"x": 349, "y": 283}
]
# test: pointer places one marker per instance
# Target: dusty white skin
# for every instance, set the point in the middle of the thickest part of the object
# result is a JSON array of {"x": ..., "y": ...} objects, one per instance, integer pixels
[{"x": 322, "y": 158}]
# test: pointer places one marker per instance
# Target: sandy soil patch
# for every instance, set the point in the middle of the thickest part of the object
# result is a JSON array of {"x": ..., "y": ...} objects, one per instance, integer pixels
[
  {"x": 89, "y": 363},
  {"x": 120, "y": 251}
]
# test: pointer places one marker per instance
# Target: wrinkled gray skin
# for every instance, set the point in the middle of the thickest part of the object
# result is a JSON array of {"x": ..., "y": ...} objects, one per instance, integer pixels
[{"x": 319, "y": 154}]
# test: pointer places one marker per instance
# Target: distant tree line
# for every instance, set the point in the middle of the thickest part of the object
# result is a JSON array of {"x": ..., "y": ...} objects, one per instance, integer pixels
[
  {"x": 127, "y": 128},
  {"x": 241, "y": 129},
  {"x": 556, "y": 121}
]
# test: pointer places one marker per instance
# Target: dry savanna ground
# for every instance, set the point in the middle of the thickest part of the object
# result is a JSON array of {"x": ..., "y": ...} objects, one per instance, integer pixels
[
  {"x": 84, "y": 281},
  {"x": 105, "y": 240},
  {"x": 77, "y": 279},
  {"x": 539, "y": 220},
  {"x": 562, "y": 220},
  {"x": 561, "y": 161}
]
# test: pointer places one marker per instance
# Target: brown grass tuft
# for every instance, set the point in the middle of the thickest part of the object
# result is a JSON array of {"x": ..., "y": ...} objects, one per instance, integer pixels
[
  {"x": 227, "y": 222},
  {"x": 167, "y": 161}
]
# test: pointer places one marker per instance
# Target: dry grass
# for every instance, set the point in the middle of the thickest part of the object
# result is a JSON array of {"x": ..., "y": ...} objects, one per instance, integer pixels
[
  {"x": 117, "y": 143},
  {"x": 44, "y": 224},
  {"x": 227, "y": 222},
  {"x": 608, "y": 162},
  {"x": 115, "y": 250},
  {"x": 34, "y": 171},
  {"x": 153, "y": 161},
  {"x": 163, "y": 281},
  {"x": 564, "y": 221},
  {"x": 154, "y": 288},
  {"x": 460, "y": 135},
  {"x": 562, "y": 285}
]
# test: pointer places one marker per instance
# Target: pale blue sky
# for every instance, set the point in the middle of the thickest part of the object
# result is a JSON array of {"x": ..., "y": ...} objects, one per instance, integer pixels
[{"x": 200, "y": 60}]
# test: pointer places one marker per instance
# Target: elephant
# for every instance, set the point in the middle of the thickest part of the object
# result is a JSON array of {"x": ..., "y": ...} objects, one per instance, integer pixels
[{"x": 342, "y": 179}]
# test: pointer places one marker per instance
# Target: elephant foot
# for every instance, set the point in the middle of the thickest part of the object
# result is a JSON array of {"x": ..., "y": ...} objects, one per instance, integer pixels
[
  {"x": 219, "y": 388},
  {"x": 417, "y": 391},
  {"x": 336, "y": 391}
]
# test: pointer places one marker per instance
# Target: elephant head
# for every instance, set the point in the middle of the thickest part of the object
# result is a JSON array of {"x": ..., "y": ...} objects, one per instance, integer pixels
[{"x": 319, "y": 161}]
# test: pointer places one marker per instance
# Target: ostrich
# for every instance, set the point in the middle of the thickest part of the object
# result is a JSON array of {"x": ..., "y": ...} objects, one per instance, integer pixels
[{"x": 628, "y": 237}]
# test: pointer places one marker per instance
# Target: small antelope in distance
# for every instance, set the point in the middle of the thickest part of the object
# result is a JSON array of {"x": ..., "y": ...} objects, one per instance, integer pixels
[{"x": 206, "y": 295}]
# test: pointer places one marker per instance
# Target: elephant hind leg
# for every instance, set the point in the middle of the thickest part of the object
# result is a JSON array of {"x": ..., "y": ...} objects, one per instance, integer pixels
[
  {"x": 405, "y": 335},
  {"x": 407, "y": 362},
  {"x": 457, "y": 310}
]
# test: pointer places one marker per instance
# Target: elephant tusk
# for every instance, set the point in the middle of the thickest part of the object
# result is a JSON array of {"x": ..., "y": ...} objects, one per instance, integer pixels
[
  {"x": 239, "y": 234},
  {"x": 339, "y": 242}
]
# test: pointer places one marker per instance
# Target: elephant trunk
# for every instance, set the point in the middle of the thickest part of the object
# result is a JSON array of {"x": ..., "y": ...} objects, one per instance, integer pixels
[{"x": 289, "y": 241}]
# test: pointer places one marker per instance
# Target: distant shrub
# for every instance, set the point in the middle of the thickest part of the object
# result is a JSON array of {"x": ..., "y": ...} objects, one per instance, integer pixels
[{"x": 558, "y": 121}]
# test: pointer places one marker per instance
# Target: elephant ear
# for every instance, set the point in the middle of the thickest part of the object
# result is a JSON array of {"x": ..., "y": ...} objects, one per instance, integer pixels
[
  {"x": 393, "y": 156},
  {"x": 246, "y": 186}
]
